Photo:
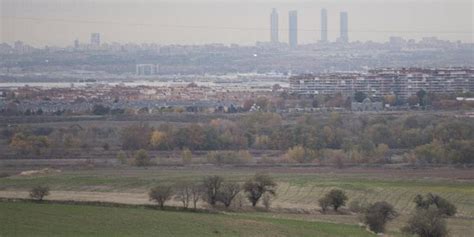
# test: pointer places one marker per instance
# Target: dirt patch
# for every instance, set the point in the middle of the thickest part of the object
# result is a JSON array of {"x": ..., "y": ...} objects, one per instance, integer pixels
[{"x": 45, "y": 171}]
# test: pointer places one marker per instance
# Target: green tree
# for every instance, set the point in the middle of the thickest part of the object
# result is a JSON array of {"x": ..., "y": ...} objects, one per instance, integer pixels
[
  {"x": 378, "y": 214},
  {"x": 258, "y": 186},
  {"x": 360, "y": 96},
  {"x": 212, "y": 185},
  {"x": 444, "y": 207},
  {"x": 337, "y": 198}
]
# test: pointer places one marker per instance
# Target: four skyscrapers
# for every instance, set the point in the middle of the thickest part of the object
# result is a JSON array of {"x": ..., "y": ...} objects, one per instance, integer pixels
[{"x": 293, "y": 27}]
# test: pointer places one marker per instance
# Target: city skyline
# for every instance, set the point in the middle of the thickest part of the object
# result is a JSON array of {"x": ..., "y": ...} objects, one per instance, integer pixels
[{"x": 196, "y": 22}]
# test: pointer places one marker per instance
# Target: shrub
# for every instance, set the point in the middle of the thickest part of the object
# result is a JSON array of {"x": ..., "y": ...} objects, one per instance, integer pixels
[
  {"x": 336, "y": 198},
  {"x": 444, "y": 207},
  {"x": 186, "y": 156},
  {"x": 377, "y": 215},
  {"x": 142, "y": 158},
  {"x": 426, "y": 223},
  {"x": 267, "y": 201},
  {"x": 122, "y": 157},
  {"x": 161, "y": 194},
  {"x": 39, "y": 192},
  {"x": 324, "y": 203},
  {"x": 358, "y": 206}
]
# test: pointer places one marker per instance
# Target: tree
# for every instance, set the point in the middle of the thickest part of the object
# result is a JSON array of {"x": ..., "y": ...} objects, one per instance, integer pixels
[
  {"x": 186, "y": 156},
  {"x": 99, "y": 109},
  {"x": 197, "y": 191},
  {"x": 161, "y": 194},
  {"x": 444, "y": 207},
  {"x": 421, "y": 94},
  {"x": 227, "y": 192},
  {"x": 39, "y": 192},
  {"x": 184, "y": 193},
  {"x": 296, "y": 153},
  {"x": 212, "y": 185},
  {"x": 360, "y": 96},
  {"x": 142, "y": 158},
  {"x": 324, "y": 203},
  {"x": 378, "y": 214},
  {"x": 426, "y": 223},
  {"x": 122, "y": 157},
  {"x": 336, "y": 198},
  {"x": 157, "y": 139},
  {"x": 259, "y": 185}
]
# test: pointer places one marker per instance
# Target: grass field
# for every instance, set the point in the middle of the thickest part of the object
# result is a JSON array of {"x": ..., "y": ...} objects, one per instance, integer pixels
[
  {"x": 31, "y": 219},
  {"x": 297, "y": 195}
]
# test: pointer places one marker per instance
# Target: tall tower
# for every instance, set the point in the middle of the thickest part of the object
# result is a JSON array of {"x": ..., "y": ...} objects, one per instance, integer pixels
[
  {"x": 293, "y": 33},
  {"x": 95, "y": 39},
  {"x": 324, "y": 25},
  {"x": 344, "y": 37},
  {"x": 274, "y": 26}
]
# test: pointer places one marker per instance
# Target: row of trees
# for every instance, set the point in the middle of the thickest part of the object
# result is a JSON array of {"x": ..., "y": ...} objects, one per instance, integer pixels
[
  {"x": 214, "y": 190},
  {"x": 428, "y": 219}
]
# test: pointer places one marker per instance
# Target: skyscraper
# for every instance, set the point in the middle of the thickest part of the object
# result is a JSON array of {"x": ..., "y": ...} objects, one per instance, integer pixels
[
  {"x": 344, "y": 37},
  {"x": 293, "y": 32},
  {"x": 324, "y": 25},
  {"x": 274, "y": 26},
  {"x": 95, "y": 39}
]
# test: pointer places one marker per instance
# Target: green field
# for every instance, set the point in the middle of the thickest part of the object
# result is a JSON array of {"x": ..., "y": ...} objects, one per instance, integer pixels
[
  {"x": 299, "y": 190},
  {"x": 31, "y": 219},
  {"x": 297, "y": 194}
]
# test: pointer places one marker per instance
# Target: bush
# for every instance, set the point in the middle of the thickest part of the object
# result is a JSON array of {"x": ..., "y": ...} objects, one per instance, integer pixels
[
  {"x": 142, "y": 158},
  {"x": 444, "y": 207},
  {"x": 426, "y": 223},
  {"x": 378, "y": 214},
  {"x": 161, "y": 194},
  {"x": 39, "y": 192},
  {"x": 358, "y": 206},
  {"x": 267, "y": 201},
  {"x": 186, "y": 156},
  {"x": 228, "y": 157},
  {"x": 324, "y": 203},
  {"x": 122, "y": 157},
  {"x": 335, "y": 198}
]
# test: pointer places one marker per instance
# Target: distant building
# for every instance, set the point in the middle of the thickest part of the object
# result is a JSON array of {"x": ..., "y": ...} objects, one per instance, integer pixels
[
  {"x": 293, "y": 32},
  {"x": 76, "y": 44},
  {"x": 324, "y": 25},
  {"x": 344, "y": 34},
  {"x": 146, "y": 69},
  {"x": 403, "y": 83},
  {"x": 95, "y": 39},
  {"x": 274, "y": 26}
]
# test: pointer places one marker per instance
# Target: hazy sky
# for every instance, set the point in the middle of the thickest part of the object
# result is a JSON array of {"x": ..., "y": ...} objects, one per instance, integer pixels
[{"x": 60, "y": 22}]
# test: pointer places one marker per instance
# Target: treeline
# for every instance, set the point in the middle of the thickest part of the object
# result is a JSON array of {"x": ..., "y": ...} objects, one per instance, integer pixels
[
  {"x": 362, "y": 139},
  {"x": 326, "y": 139}
]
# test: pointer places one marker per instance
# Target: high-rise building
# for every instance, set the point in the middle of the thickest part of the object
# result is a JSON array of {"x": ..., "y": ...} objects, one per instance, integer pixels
[
  {"x": 293, "y": 32},
  {"x": 274, "y": 26},
  {"x": 324, "y": 25},
  {"x": 76, "y": 44},
  {"x": 344, "y": 37},
  {"x": 95, "y": 39}
]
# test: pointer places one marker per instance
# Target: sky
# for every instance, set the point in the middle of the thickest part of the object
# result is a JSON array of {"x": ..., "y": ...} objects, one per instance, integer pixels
[{"x": 60, "y": 22}]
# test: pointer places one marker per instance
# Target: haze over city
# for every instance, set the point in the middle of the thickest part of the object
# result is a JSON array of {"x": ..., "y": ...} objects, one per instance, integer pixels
[{"x": 59, "y": 23}]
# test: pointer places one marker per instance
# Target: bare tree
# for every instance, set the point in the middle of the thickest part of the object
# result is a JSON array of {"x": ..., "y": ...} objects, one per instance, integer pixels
[
  {"x": 227, "y": 193},
  {"x": 161, "y": 194},
  {"x": 184, "y": 193}
]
